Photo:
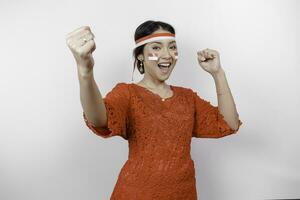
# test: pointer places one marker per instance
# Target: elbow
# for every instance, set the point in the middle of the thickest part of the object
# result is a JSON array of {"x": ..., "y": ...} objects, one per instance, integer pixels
[
  {"x": 101, "y": 123},
  {"x": 237, "y": 125}
]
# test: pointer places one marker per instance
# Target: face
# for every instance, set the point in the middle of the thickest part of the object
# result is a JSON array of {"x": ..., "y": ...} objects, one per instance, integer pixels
[{"x": 158, "y": 53}]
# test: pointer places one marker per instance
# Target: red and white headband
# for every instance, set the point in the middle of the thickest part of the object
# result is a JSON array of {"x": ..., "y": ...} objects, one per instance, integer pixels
[{"x": 153, "y": 37}]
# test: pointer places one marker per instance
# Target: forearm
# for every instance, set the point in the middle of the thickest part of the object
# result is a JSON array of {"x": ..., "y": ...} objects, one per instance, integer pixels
[
  {"x": 91, "y": 100},
  {"x": 226, "y": 103}
]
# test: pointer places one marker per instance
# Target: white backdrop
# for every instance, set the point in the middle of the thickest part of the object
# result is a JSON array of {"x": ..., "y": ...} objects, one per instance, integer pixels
[{"x": 47, "y": 152}]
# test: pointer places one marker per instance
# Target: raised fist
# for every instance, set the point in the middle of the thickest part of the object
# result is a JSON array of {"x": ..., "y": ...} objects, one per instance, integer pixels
[{"x": 81, "y": 43}]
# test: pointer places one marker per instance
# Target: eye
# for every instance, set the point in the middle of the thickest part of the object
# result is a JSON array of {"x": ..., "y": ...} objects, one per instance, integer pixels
[
  {"x": 174, "y": 47},
  {"x": 155, "y": 47}
]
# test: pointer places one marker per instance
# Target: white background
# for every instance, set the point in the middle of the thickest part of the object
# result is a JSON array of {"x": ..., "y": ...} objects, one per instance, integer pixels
[{"x": 47, "y": 152}]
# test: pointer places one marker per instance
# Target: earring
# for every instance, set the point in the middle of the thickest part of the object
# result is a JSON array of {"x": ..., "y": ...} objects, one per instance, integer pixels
[{"x": 141, "y": 66}]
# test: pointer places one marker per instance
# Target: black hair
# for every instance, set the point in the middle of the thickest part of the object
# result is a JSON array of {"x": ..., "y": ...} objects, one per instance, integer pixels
[{"x": 144, "y": 29}]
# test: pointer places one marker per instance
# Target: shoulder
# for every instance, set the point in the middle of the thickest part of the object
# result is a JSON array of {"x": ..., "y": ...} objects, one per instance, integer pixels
[
  {"x": 122, "y": 86},
  {"x": 120, "y": 89},
  {"x": 184, "y": 90}
]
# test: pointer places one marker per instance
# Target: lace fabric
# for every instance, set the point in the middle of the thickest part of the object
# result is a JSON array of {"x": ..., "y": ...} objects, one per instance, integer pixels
[
  {"x": 159, "y": 134},
  {"x": 209, "y": 122},
  {"x": 117, "y": 108}
]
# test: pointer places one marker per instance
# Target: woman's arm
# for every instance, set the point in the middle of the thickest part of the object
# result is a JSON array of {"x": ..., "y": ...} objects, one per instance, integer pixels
[
  {"x": 92, "y": 101},
  {"x": 226, "y": 103},
  {"x": 81, "y": 43},
  {"x": 209, "y": 60}
]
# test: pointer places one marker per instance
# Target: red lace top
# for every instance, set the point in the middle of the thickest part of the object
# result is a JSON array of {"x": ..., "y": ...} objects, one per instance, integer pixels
[{"x": 159, "y": 134}]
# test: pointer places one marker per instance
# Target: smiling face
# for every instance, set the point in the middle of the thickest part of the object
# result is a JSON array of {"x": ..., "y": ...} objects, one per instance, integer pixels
[{"x": 157, "y": 54}]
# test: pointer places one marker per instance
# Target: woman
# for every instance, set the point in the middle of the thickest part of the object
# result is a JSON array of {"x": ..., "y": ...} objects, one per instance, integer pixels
[{"x": 158, "y": 120}]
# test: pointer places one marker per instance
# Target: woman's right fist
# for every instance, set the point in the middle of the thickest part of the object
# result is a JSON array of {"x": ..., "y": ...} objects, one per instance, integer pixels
[{"x": 81, "y": 43}]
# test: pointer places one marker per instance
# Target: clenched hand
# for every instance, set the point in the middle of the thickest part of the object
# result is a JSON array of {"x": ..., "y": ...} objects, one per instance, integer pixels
[{"x": 81, "y": 43}]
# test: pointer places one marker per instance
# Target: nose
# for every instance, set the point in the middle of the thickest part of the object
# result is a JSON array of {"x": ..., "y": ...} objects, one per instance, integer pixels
[{"x": 166, "y": 53}]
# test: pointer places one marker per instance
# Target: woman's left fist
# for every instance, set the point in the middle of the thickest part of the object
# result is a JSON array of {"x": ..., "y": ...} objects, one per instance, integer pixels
[{"x": 209, "y": 60}]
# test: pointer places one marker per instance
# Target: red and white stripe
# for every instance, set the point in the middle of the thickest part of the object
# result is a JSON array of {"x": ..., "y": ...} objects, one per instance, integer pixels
[
  {"x": 176, "y": 55},
  {"x": 154, "y": 37},
  {"x": 152, "y": 56}
]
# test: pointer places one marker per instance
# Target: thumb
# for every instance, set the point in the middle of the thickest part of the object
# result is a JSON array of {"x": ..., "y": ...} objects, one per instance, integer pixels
[{"x": 89, "y": 46}]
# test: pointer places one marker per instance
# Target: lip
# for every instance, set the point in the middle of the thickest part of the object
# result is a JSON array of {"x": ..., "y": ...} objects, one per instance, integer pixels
[
  {"x": 165, "y": 63},
  {"x": 165, "y": 71}
]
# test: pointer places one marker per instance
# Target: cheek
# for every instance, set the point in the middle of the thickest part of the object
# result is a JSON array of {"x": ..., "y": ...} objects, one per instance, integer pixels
[
  {"x": 152, "y": 56},
  {"x": 175, "y": 55}
]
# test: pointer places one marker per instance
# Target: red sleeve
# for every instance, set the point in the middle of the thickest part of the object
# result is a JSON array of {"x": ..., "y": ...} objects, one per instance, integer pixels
[
  {"x": 208, "y": 121},
  {"x": 117, "y": 108}
]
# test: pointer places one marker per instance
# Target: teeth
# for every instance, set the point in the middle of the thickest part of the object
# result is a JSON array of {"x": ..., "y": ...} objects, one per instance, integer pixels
[{"x": 163, "y": 64}]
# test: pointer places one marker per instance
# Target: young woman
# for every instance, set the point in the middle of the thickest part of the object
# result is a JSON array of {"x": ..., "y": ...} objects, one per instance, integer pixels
[{"x": 158, "y": 120}]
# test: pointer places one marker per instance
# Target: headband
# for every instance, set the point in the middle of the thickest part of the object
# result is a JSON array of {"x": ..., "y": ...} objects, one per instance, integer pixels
[{"x": 153, "y": 37}]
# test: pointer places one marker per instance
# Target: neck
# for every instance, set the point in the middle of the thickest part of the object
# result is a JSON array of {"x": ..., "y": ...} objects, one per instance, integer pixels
[{"x": 159, "y": 85}]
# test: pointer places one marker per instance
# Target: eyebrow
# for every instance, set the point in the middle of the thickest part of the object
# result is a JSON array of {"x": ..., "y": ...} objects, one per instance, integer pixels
[{"x": 161, "y": 43}]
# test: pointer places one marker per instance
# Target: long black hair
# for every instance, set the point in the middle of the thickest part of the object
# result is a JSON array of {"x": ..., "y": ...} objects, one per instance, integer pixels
[{"x": 144, "y": 29}]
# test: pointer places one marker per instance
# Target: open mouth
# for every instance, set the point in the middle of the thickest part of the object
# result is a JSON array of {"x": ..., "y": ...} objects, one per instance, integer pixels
[{"x": 164, "y": 67}]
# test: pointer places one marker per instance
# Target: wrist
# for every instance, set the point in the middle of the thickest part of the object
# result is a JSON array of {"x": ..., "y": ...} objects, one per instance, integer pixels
[
  {"x": 85, "y": 74},
  {"x": 219, "y": 74},
  {"x": 221, "y": 82}
]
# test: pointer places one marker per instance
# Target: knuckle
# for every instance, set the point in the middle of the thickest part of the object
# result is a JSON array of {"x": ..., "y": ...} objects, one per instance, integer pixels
[
  {"x": 87, "y": 28},
  {"x": 81, "y": 28},
  {"x": 82, "y": 33}
]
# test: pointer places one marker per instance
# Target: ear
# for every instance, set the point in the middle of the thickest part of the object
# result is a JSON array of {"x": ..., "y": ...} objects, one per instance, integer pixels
[{"x": 141, "y": 57}]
